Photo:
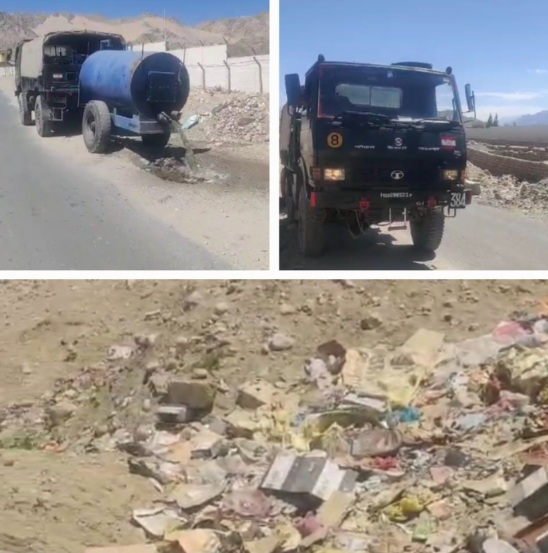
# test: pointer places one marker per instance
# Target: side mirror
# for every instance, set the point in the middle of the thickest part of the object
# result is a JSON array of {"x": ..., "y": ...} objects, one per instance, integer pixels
[
  {"x": 293, "y": 89},
  {"x": 470, "y": 99}
]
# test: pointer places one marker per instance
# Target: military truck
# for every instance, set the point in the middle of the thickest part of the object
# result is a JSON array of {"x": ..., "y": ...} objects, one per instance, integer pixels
[
  {"x": 47, "y": 71},
  {"x": 365, "y": 144}
]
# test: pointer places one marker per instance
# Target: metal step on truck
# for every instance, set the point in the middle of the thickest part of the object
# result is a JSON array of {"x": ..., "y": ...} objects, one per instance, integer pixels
[{"x": 364, "y": 144}]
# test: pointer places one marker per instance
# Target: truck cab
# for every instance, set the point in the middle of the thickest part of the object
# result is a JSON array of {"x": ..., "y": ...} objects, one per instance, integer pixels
[
  {"x": 47, "y": 71},
  {"x": 365, "y": 143}
]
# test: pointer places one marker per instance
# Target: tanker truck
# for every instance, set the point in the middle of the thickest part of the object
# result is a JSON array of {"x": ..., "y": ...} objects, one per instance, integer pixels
[{"x": 129, "y": 93}]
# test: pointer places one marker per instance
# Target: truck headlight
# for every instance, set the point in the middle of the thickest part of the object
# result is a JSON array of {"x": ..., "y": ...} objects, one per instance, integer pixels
[
  {"x": 333, "y": 174},
  {"x": 450, "y": 174}
]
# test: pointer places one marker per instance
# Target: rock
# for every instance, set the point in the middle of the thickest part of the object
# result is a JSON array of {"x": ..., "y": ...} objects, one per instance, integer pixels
[
  {"x": 253, "y": 395},
  {"x": 200, "y": 373},
  {"x": 158, "y": 384},
  {"x": 118, "y": 352},
  {"x": 280, "y": 342},
  {"x": 192, "y": 301},
  {"x": 287, "y": 309},
  {"x": 371, "y": 322},
  {"x": 60, "y": 412},
  {"x": 196, "y": 394},
  {"x": 221, "y": 308}
]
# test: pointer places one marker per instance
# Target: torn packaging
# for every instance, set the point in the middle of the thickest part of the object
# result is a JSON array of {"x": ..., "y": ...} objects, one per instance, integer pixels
[{"x": 314, "y": 475}]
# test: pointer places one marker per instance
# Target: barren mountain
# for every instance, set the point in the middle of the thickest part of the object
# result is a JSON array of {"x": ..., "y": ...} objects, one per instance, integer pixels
[
  {"x": 145, "y": 28},
  {"x": 243, "y": 31}
]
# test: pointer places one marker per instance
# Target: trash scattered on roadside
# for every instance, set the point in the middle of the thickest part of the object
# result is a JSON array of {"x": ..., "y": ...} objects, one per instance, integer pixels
[
  {"x": 190, "y": 122},
  {"x": 432, "y": 446}
]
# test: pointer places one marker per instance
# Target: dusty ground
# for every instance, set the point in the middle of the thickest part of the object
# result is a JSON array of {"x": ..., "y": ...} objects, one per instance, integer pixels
[
  {"x": 224, "y": 206},
  {"x": 54, "y": 345}
]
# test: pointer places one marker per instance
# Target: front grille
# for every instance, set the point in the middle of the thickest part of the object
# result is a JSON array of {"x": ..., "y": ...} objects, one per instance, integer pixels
[{"x": 384, "y": 174}]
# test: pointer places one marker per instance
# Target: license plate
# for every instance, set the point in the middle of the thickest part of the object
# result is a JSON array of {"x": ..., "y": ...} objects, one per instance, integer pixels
[{"x": 458, "y": 200}]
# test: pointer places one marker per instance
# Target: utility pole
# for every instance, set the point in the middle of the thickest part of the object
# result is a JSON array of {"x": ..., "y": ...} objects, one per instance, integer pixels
[{"x": 165, "y": 27}]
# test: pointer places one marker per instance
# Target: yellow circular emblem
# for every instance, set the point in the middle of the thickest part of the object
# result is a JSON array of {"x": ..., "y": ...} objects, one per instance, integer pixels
[{"x": 334, "y": 140}]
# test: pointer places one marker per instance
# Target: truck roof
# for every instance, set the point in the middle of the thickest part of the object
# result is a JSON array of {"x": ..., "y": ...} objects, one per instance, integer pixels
[
  {"x": 375, "y": 65},
  {"x": 44, "y": 38}
]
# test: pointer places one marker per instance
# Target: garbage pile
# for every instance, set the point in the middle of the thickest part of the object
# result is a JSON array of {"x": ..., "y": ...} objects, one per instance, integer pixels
[
  {"x": 434, "y": 446},
  {"x": 510, "y": 192},
  {"x": 219, "y": 117}
]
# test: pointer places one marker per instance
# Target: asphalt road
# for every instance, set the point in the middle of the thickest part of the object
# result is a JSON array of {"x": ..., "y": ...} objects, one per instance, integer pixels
[
  {"x": 527, "y": 135},
  {"x": 479, "y": 238},
  {"x": 54, "y": 216}
]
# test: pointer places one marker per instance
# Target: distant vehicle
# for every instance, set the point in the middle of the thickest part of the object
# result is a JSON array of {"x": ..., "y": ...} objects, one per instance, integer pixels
[
  {"x": 47, "y": 73},
  {"x": 366, "y": 144}
]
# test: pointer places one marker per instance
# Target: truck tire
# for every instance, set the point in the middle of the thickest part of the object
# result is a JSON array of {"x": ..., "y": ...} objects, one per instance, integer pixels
[
  {"x": 310, "y": 228},
  {"x": 427, "y": 231},
  {"x": 43, "y": 126},
  {"x": 289, "y": 201},
  {"x": 96, "y": 127},
  {"x": 24, "y": 112},
  {"x": 156, "y": 140}
]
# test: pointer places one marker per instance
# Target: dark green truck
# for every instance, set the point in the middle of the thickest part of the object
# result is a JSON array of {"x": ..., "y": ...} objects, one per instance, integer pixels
[{"x": 364, "y": 144}]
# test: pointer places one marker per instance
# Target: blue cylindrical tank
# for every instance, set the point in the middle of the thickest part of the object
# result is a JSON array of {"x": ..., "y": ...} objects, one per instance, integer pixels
[{"x": 140, "y": 83}]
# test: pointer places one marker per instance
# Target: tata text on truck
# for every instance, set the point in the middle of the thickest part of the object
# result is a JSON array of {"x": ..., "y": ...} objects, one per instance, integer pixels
[{"x": 367, "y": 144}]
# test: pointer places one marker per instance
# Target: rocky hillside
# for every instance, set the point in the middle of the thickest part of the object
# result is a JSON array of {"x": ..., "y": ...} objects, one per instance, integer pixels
[
  {"x": 243, "y": 31},
  {"x": 245, "y": 35}
]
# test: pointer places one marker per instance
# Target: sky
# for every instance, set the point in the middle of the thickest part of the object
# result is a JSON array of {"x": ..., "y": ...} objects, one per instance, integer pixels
[
  {"x": 500, "y": 47},
  {"x": 189, "y": 12}
]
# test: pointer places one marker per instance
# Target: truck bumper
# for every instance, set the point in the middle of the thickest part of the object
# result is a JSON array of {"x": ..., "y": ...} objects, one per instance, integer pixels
[{"x": 456, "y": 197}]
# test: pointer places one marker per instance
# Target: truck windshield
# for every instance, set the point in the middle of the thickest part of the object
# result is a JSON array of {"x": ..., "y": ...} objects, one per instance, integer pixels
[{"x": 392, "y": 92}]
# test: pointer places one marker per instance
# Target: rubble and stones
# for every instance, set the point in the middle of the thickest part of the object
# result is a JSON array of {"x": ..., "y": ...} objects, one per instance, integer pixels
[{"x": 228, "y": 117}]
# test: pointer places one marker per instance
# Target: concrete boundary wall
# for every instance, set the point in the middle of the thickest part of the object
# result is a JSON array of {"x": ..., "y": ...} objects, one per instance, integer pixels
[
  {"x": 6, "y": 71},
  {"x": 531, "y": 171}
]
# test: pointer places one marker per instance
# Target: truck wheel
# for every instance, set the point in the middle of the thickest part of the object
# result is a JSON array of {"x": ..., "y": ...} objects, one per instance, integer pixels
[
  {"x": 311, "y": 228},
  {"x": 290, "y": 206},
  {"x": 96, "y": 127},
  {"x": 43, "y": 126},
  {"x": 289, "y": 202},
  {"x": 156, "y": 140},
  {"x": 24, "y": 112},
  {"x": 427, "y": 231}
]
